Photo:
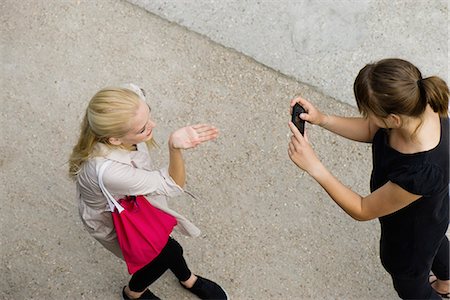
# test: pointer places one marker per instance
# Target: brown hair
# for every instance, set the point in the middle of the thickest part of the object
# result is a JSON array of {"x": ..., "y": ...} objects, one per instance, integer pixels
[{"x": 395, "y": 86}]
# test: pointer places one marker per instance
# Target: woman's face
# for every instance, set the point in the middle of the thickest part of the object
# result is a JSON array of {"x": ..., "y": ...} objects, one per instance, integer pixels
[{"x": 141, "y": 126}]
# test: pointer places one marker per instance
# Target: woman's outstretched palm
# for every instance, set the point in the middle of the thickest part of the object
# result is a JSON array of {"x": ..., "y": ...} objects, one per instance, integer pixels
[{"x": 192, "y": 136}]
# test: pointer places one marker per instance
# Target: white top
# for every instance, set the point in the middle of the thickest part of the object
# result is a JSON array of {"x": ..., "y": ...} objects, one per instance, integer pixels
[{"x": 128, "y": 173}]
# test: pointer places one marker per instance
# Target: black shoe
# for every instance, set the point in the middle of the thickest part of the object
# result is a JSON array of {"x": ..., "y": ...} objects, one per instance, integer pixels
[
  {"x": 207, "y": 289},
  {"x": 146, "y": 295}
]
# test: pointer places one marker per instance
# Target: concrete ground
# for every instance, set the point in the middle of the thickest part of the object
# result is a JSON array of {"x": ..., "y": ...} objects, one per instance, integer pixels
[
  {"x": 324, "y": 43},
  {"x": 268, "y": 230}
]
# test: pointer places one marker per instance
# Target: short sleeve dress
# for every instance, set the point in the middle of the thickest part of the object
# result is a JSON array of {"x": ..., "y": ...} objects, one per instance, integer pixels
[{"x": 411, "y": 236}]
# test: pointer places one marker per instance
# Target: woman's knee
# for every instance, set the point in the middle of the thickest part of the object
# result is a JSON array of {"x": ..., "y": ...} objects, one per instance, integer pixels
[{"x": 175, "y": 247}]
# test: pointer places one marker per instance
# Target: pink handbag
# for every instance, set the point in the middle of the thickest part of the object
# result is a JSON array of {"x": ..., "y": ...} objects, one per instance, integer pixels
[{"x": 142, "y": 229}]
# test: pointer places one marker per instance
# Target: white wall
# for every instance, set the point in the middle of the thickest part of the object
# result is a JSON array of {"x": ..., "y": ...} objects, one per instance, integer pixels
[{"x": 322, "y": 43}]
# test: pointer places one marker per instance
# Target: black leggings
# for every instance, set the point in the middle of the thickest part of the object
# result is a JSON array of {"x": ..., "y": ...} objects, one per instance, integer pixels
[
  {"x": 171, "y": 257},
  {"x": 419, "y": 287}
]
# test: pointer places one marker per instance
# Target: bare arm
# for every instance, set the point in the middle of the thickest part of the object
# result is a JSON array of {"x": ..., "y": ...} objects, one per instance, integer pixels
[
  {"x": 186, "y": 138},
  {"x": 356, "y": 129},
  {"x": 176, "y": 166},
  {"x": 385, "y": 200}
]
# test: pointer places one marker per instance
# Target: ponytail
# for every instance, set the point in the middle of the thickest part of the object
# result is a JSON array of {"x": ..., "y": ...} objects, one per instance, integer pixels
[
  {"x": 83, "y": 149},
  {"x": 436, "y": 93},
  {"x": 395, "y": 86}
]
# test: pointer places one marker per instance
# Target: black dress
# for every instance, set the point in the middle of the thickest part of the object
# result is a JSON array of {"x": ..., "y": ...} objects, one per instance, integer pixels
[{"x": 411, "y": 237}]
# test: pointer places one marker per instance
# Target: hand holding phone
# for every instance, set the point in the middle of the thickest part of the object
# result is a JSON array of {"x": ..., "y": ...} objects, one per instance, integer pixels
[{"x": 298, "y": 122}]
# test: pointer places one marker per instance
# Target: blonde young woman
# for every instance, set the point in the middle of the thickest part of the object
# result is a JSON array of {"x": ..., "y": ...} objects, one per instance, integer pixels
[
  {"x": 117, "y": 127},
  {"x": 405, "y": 118}
]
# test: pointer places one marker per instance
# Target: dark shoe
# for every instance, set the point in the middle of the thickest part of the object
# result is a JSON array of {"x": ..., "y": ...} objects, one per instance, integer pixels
[
  {"x": 207, "y": 289},
  {"x": 146, "y": 295}
]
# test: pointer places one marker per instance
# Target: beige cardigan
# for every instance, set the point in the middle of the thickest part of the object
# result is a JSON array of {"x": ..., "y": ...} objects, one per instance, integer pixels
[{"x": 130, "y": 173}]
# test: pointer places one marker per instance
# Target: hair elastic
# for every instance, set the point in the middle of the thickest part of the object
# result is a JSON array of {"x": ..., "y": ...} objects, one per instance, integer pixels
[{"x": 421, "y": 89}]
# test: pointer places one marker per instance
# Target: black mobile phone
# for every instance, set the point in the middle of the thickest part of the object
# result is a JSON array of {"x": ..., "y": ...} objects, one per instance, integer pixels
[{"x": 299, "y": 123}]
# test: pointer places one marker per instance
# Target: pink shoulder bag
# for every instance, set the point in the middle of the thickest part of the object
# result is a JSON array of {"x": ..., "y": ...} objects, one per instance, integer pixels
[{"x": 142, "y": 229}]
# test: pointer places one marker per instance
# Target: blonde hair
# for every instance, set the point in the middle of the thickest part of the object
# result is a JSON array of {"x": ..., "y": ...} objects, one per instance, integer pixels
[{"x": 108, "y": 115}]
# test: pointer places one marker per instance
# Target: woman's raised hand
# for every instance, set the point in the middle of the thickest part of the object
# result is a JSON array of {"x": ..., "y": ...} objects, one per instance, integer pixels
[
  {"x": 299, "y": 149},
  {"x": 301, "y": 152},
  {"x": 312, "y": 115},
  {"x": 192, "y": 136}
]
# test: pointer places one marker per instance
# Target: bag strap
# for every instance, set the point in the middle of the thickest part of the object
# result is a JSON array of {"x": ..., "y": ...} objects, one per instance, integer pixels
[{"x": 112, "y": 202}]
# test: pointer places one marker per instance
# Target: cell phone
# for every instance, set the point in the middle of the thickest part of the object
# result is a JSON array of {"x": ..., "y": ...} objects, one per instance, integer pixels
[{"x": 298, "y": 122}]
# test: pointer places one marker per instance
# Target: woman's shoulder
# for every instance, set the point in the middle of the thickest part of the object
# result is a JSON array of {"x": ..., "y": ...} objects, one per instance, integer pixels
[
  {"x": 89, "y": 169},
  {"x": 420, "y": 177}
]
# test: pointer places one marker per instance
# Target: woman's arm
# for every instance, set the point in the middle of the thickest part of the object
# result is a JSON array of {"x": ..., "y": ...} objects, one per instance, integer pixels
[
  {"x": 125, "y": 179},
  {"x": 186, "y": 138},
  {"x": 356, "y": 129},
  {"x": 176, "y": 166},
  {"x": 385, "y": 200}
]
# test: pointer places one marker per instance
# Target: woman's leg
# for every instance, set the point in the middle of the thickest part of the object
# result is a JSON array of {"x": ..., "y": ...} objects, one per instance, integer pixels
[
  {"x": 414, "y": 288},
  {"x": 440, "y": 265},
  {"x": 179, "y": 267},
  {"x": 171, "y": 257},
  {"x": 440, "y": 268},
  {"x": 177, "y": 263},
  {"x": 419, "y": 287}
]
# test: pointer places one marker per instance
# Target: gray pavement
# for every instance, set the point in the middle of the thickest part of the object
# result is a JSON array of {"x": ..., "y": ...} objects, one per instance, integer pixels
[
  {"x": 321, "y": 42},
  {"x": 268, "y": 230}
]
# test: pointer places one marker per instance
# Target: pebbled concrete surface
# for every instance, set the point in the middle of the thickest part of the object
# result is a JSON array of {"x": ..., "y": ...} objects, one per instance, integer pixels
[{"x": 268, "y": 230}]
